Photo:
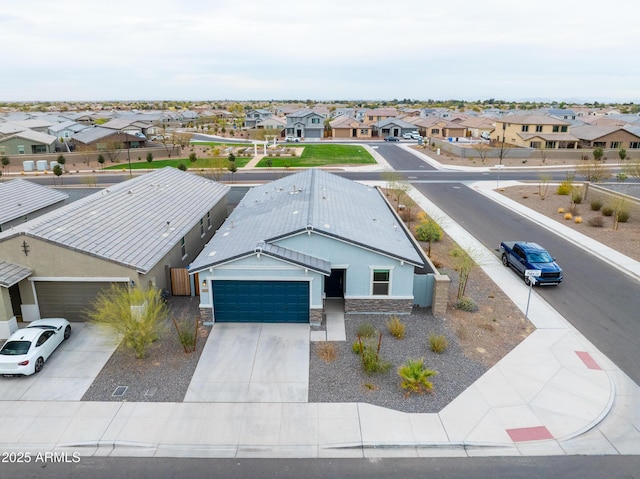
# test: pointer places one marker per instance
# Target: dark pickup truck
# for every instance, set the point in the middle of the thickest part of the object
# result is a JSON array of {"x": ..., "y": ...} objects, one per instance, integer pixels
[{"x": 524, "y": 255}]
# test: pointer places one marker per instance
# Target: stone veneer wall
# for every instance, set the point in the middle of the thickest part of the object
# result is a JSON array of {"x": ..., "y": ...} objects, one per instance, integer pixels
[
  {"x": 206, "y": 314},
  {"x": 440, "y": 296},
  {"x": 315, "y": 316},
  {"x": 370, "y": 305}
]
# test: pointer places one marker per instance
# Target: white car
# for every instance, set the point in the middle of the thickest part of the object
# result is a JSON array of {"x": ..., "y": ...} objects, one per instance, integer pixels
[
  {"x": 292, "y": 139},
  {"x": 26, "y": 350},
  {"x": 407, "y": 136}
]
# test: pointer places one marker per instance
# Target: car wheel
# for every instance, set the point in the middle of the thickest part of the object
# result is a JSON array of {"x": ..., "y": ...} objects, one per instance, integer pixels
[
  {"x": 39, "y": 364},
  {"x": 67, "y": 332},
  {"x": 505, "y": 261}
]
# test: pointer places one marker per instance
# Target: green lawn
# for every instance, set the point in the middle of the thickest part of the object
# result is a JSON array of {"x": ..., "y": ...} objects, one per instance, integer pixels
[
  {"x": 199, "y": 163},
  {"x": 322, "y": 155}
]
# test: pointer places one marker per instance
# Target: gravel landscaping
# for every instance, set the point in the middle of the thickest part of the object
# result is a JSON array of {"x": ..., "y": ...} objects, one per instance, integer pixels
[
  {"x": 344, "y": 380},
  {"x": 164, "y": 375}
]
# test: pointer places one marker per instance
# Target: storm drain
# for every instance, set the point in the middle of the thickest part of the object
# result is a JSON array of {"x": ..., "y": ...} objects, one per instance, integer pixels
[{"x": 119, "y": 391}]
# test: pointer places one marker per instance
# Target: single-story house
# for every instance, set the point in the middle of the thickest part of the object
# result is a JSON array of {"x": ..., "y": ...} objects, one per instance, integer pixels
[
  {"x": 27, "y": 142},
  {"x": 296, "y": 242},
  {"x": 607, "y": 137},
  {"x": 393, "y": 127},
  {"x": 24, "y": 200},
  {"x": 348, "y": 127},
  {"x": 144, "y": 231}
]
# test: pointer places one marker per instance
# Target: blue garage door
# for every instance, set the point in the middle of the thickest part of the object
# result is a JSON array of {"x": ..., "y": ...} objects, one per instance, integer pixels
[{"x": 261, "y": 301}]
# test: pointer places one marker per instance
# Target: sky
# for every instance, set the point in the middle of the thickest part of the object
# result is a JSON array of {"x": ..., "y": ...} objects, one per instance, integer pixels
[{"x": 323, "y": 50}]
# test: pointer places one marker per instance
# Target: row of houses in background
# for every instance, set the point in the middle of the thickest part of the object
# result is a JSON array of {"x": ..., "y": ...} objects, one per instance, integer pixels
[{"x": 35, "y": 133}]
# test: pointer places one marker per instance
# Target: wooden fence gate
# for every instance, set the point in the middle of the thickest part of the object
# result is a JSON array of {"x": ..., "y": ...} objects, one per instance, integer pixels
[{"x": 180, "y": 283}]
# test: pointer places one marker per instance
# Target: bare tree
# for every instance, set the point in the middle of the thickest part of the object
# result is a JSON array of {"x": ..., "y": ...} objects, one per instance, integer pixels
[{"x": 482, "y": 150}]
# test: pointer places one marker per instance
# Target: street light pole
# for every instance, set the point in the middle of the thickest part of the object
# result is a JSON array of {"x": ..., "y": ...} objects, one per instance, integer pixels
[{"x": 504, "y": 126}]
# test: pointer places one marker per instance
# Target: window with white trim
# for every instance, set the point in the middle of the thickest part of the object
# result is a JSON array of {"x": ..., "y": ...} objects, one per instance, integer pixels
[
  {"x": 525, "y": 127},
  {"x": 201, "y": 227},
  {"x": 208, "y": 220},
  {"x": 381, "y": 281},
  {"x": 538, "y": 128},
  {"x": 183, "y": 247}
]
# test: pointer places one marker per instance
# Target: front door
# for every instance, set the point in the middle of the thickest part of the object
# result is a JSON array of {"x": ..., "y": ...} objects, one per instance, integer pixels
[
  {"x": 334, "y": 284},
  {"x": 16, "y": 301}
]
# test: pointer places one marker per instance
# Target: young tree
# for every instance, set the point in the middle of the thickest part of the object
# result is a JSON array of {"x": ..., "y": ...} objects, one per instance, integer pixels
[
  {"x": 598, "y": 153},
  {"x": 57, "y": 171},
  {"x": 543, "y": 186},
  {"x": 101, "y": 161},
  {"x": 622, "y": 153},
  {"x": 465, "y": 263},
  {"x": 5, "y": 163},
  {"x": 428, "y": 230},
  {"x": 149, "y": 159},
  {"x": 232, "y": 168},
  {"x": 135, "y": 315},
  {"x": 482, "y": 150}
]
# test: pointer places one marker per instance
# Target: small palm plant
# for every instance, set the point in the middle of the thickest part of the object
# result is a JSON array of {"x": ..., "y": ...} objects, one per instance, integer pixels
[{"x": 415, "y": 378}]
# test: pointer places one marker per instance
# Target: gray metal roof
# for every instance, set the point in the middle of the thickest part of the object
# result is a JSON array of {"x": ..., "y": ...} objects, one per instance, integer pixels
[
  {"x": 134, "y": 223},
  {"x": 21, "y": 197},
  {"x": 34, "y": 136},
  {"x": 90, "y": 135},
  {"x": 314, "y": 201},
  {"x": 11, "y": 274}
]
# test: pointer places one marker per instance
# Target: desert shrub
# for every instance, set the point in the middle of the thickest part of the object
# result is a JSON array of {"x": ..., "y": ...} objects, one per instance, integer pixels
[
  {"x": 623, "y": 216},
  {"x": 574, "y": 210},
  {"x": 355, "y": 347},
  {"x": 366, "y": 330},
  {"x": 396, "y": 327},
  {"x": 187, "y": 335},
  {"x": 438, "y": 343},
  {"x": 576, "y": 197},
  {"x": 327, "y": 351},
  {"x": 564, "y": 188},
  {"x": 561, "y": 210},
  {"x": 596, "y": 222},
  {"x": 369, "y": 349},
  {"x": 467, "y": 304},
  {"x": 596, "y": 205},
  {"x": 578, "y": 219},
  {"x": 568, "y": 216},
  {"x": 607, "y": 211},
  {"x": 415, "y": 378}
]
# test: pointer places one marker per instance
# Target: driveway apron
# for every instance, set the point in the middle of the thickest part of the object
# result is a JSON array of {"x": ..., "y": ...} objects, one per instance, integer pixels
[{"x": 253, "y": 362}]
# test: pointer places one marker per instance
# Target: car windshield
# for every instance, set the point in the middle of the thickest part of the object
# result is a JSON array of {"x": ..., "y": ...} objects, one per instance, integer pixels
[
  {"x": 15, "y": 348},
  {"x": 42, "y": 326},
  {"x": 540, "y": 257}
]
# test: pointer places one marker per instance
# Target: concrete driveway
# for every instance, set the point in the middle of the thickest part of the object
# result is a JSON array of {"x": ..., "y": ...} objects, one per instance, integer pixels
[
  {"x": 253, "y": 363},
  {"x": 68, "y": 372}
]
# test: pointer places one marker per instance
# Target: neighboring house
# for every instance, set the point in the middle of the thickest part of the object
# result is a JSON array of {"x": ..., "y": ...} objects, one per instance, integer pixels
[
  {"x": 27, "y": 142},
  {"x": 305, "y": 124},
  {"x": 393, "y": 127},
  {"x": 343, "y": 111},
  {"x": 432, "y": 126},
  {"x": 348, "y": 127},
  {"x": 272, "y": 123},
  {"x": 66, "y": 129},
  {"x": 607, "y": 137},
  {"x": 24, "y": 200},
  {"x": 562, "y": 113},
  {"x": 294, "y": 243},
  {"x": 253, "y": 117},
  {"x": 376, "y": 115},
  {"x": 144, "y": 231},
  {"x": 477, "y": 125},
  {"x": 129, "y": 125},
  {"x": 534, "y": 131},
  {"x": 105, "y": 139}
]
